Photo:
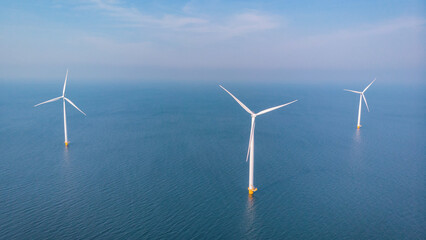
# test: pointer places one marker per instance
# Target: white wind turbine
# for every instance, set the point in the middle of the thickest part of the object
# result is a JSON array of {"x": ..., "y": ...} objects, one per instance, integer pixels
[
  {"x": 361, "y": 96},
  {"x": 250, "y": 151},
  {"x": 63, "y": 99}
]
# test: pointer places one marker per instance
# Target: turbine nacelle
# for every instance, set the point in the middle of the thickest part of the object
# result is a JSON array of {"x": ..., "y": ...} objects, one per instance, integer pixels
[
  {"x": 62, "y": 97},
  {"x": 362, "y": 93},
  {"x": 253, "y": 115}
]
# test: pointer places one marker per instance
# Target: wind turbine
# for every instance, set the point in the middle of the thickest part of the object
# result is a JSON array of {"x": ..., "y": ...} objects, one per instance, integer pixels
[
  {"x": 361, "y": 96},
  {"x": 65, "y": 115},
  {"x": 250, "y": 151}
]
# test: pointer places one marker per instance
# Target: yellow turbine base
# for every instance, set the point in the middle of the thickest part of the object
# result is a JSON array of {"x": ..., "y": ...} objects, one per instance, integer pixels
[
  {"x": 251, "y": 191},
  {"x": 66, "y": 144},
  {"x": 358, "y": 126}
]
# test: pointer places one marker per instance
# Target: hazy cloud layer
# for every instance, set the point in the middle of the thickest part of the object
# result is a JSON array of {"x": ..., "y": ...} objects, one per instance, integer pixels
[{"x": 117, "y": 35}]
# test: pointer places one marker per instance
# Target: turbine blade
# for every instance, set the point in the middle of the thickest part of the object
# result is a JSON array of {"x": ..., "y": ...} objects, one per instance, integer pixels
[
  {"x": 273, "y": 108},
  {"x": 65, "y": 84},
  {"x": 365, "y": 100},
  {"x": 51, "y": 100},
  {"x": 74, "y": 105},
  {"x": 251, "y": 139},
  {"x": 369, "y": 85},
  {"x": 352, "y": 91},
  {"x": 239, "y": 102}
]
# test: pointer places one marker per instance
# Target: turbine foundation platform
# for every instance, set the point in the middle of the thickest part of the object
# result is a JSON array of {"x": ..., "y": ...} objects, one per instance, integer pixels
[
  {"x": 66, "y": 144},
  {"x": 252, "y": 190}
]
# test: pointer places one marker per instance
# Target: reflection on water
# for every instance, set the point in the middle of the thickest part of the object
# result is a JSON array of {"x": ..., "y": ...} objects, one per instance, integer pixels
[
  {"x": 66, "y": 155},
  {"x": 250, "y": 216},
  {"x": 356, "y": 141},
  {"x": 357, "y": 136},
  {"x": 65, "y": 161},
  {"x": 356, "y": 149}
]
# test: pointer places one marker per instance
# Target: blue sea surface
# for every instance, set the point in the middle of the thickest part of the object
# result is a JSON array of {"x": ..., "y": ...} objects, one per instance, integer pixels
[{"x": 167, "y": 161}]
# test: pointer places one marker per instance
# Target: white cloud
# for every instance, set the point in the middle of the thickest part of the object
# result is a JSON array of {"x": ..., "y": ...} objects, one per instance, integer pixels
[
  {"x": 189, "y": 7},
  {"x": 133, "y": 17},
  {"x": 238, "y": 24}
]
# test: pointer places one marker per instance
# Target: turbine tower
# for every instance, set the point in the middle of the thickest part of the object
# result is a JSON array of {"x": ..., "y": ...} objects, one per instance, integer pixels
[
  {"x": 63, "y": 101},
  {"x": 361, "y": 96},
  {"x": 250, "y": 151}
]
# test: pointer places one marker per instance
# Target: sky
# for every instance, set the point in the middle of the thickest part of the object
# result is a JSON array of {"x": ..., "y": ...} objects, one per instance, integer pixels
[{"x": 209, "y": 40}]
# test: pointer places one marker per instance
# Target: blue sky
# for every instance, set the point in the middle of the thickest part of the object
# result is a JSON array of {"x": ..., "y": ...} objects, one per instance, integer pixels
[{"x": 203, "y": 40}]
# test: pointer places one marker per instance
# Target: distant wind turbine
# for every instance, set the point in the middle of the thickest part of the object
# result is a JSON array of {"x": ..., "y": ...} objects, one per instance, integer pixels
[
  {"x": 361, "y": 96},
  {"x": 63, "y": 99},
  {"x": 250, "y": 151}
]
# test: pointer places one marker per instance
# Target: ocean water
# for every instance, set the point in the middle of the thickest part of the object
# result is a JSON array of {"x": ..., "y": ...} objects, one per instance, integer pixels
[{"x": 167, "y": 161}]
